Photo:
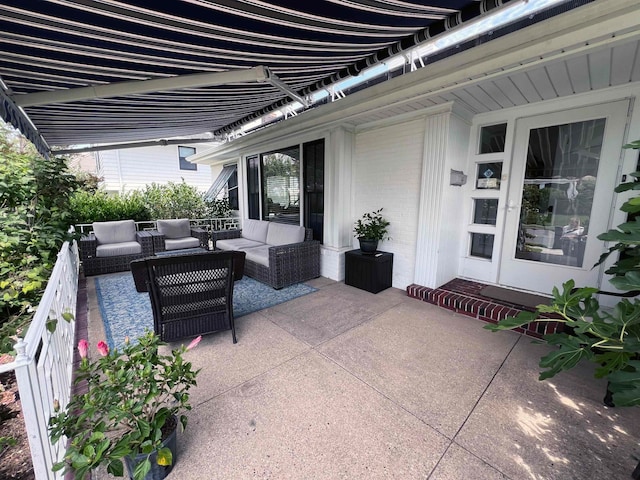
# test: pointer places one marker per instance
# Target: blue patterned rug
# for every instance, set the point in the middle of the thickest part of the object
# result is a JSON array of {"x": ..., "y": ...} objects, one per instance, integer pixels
[{"x": 126, "y": 312}]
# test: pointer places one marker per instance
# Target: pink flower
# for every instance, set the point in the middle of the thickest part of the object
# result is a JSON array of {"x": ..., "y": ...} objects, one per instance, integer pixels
[
  {"x": 194, "y": 342},
  {"x": 83, "y": 348},
  {"x": 103, "y": 348}
]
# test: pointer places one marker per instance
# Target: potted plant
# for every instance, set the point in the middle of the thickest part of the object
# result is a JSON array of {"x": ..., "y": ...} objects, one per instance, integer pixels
[
  {"x": 130, "y": 409},
  {"x": 609, "y": 337},
  {"x": 370, "y": 229}
]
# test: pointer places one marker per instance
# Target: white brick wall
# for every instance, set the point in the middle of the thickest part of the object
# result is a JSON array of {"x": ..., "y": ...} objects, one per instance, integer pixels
[{"x": 387, "y": 171}]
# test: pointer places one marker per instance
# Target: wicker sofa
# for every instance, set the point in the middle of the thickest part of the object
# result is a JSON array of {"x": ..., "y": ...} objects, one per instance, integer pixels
[
  {"x": 112, "y": 246},
  {"x": 276, "y": 254}
]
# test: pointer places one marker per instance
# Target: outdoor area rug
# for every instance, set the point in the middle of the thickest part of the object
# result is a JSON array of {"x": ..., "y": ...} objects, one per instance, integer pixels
[{"x": 126, "y": 312}]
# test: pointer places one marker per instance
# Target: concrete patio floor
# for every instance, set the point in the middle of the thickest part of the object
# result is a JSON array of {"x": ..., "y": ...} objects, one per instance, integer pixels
[{"x": 345, "y": 384}]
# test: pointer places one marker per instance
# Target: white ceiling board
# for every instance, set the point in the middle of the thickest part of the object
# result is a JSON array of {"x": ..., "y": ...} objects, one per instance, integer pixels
[
  {"x": 559, "y": 76},
  {"x": 525, "y": 86},
  {"x": 600, "y": 69},
  {"x": 540, "y": 79},
  {"x": 578, "y": 69},
  {"x": 622, "y": 62},
  {"x": 491, "y": 89},
  {"x": 511, "y": 90}
]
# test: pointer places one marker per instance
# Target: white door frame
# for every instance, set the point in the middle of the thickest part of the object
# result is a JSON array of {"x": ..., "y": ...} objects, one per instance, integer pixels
[{"x": 539, "y": 276}]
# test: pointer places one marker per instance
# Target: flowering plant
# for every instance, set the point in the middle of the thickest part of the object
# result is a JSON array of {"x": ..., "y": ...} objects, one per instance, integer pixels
[{"x": 132, "y": 402}]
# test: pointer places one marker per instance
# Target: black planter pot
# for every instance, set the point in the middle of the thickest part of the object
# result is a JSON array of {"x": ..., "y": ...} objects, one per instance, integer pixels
[
  {"x": 157, "y": 472},
  {"x": 368, "y": 245}
]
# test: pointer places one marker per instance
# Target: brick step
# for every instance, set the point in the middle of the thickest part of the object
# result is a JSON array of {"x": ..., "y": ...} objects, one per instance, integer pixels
[{"x": 463, "y": 296}]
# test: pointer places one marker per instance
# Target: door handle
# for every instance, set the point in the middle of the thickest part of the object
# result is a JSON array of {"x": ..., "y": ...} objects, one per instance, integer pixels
[{"x": 511, "y": 205}]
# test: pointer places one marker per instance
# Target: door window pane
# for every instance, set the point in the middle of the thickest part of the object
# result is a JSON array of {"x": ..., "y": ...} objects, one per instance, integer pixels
[
  {"x": 485, "y": 211},
  {"x": 488, "y": 175},
  {"x": 481, "y": 245},
  {"x": 560, "y": 179},
  {"x": 492, "y": 138}
]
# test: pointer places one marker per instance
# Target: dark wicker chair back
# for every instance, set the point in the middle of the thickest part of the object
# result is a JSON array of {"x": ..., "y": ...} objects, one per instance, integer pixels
[{"x": 191, "y": 294}]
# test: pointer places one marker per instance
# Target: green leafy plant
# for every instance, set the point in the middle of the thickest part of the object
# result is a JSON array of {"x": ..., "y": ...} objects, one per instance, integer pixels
[
  {"x": 132, "y": 396},
  {"x": 35, "y": 218},
  {"x": 372, "y": 226},
  {"x": 608, "y": 337}
]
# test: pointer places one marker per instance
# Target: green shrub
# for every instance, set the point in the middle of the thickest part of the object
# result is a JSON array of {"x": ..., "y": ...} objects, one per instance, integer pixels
[
  {"x": 175, "y": 200},
  {"x": 100, "y": 206}
]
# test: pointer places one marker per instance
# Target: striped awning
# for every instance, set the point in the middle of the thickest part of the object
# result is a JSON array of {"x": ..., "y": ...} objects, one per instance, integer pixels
[{"x": 73, "y": 71}]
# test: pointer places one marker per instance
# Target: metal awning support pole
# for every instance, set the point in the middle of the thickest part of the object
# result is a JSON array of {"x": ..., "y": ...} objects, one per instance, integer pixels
[
  {"x": 255, "y": 74},
  {"x": 274, "y": 80}
]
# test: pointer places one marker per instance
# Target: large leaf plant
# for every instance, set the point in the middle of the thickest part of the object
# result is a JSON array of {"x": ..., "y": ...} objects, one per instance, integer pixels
[{"x": 609, "y": 337}]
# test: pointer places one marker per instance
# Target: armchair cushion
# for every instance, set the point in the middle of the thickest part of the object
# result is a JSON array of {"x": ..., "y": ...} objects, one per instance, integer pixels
[
  {"x": 117, "y": 249},
  {"x": 179, "y": 243},
  {"x": 173, "y": 229},
  {"x": 115, "y": 232}
]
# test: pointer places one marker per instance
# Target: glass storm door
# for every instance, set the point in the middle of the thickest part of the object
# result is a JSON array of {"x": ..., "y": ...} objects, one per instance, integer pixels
[{"x": 560, "y": 195}]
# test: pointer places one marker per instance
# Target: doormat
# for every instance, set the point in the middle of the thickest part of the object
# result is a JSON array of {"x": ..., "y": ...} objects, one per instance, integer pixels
[
  {"x": 127, "y": 313},
  {"x": 514, "y": 297}
]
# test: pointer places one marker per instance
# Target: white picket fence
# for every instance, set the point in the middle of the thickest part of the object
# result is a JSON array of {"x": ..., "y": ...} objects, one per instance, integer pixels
[{"x": 44, "y": 361}]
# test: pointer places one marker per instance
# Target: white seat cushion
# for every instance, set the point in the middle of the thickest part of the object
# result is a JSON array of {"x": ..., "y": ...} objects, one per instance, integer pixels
[
  {"x": 255, "y": 230},
  {"x": 178, "y": 243},
  {"x": 117, "y": 249},
  {"x": 178, "y": 228},
  {"x": 258, "y": 255},
  {"x": 115, "y": 232},
  {"x": 282, "y": 234},
  {"x": 237, "y": 244}
]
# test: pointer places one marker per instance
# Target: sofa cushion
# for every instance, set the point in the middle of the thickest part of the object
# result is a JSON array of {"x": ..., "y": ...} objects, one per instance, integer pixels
[
  {"x": 258, "y": 255},
  {"x": 255, "y": 230},
  {"x": 178, "y": 243},
  {"x": 237, "y": 244},
  {"x": 282, "y": 234},
  {"x": 178, "y": 228},
  {"x": 115, "y": 232},
  {"x": 118, "y": 249}
]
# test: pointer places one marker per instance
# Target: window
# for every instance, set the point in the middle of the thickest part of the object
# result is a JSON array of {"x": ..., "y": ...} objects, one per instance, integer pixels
[
  {"x": 232, "y": 190},
  {"x": 183, "y": 153},
  {"x": 281, "y": 186},
  {"x": 274, "y": 186}
]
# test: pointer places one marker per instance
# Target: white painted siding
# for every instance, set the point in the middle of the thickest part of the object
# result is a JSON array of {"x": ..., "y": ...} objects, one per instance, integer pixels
[
  {"x": 134, "y": 168},
  {"x": 387, "y": 171}
]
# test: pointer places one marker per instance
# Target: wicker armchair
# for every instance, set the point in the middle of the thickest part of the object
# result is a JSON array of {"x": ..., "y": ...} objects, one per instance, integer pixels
[
  {"x": 190, "y": 294},
  {"x": 177, "y": 234},
  {"x": 112, "y": 246}
]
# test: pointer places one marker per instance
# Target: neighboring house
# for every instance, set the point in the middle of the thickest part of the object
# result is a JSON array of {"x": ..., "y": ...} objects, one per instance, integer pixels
[
  {"x": 536, "y": 120},
  {"x": 133, "y": 168}
]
